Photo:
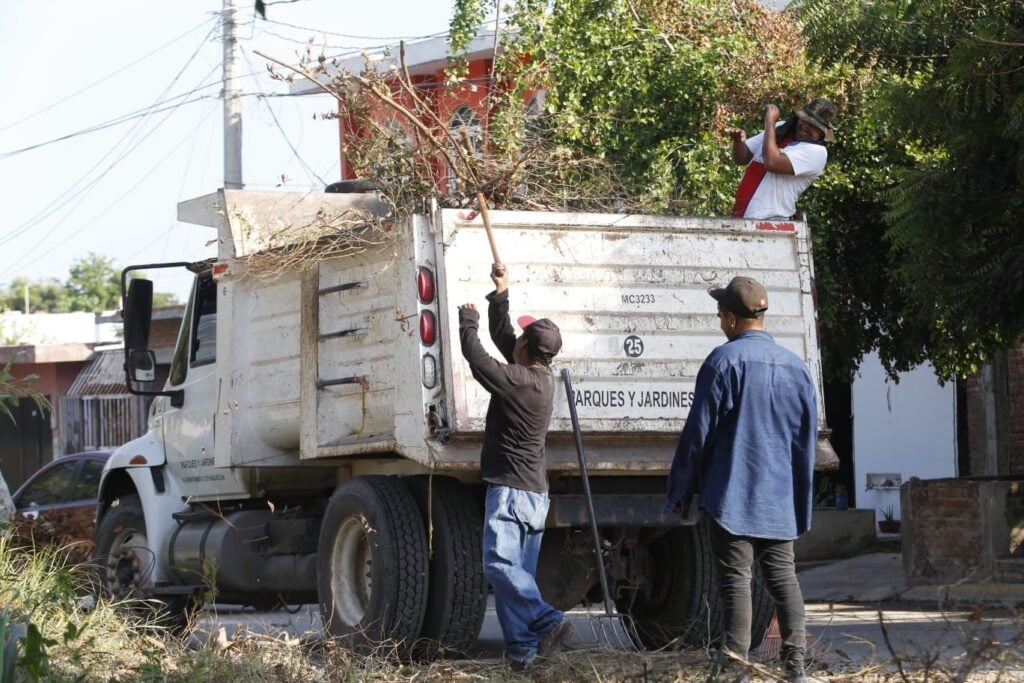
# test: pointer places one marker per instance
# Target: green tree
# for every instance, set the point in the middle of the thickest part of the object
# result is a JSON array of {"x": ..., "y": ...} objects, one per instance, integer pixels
[
  {"x": 48, "y": 294},
  {"x": 941, "y": 199},
  {"x": 916, "y": 219},
  {"x": 93, "y": 285},
  {"x": 652, "y": 84}
]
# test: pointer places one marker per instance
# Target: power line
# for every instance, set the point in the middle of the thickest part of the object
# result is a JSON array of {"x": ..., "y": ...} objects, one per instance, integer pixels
[
  {"x": 103, "y": 126},
  {"x": 108, "y": 76},
  {"x": 84, "y": 190},
  {"x": 280, "y": 128},
  {"x": 354, "y": 36},
  {"x": 174, "y": 149},
  {"x": 349, "y": 49}
]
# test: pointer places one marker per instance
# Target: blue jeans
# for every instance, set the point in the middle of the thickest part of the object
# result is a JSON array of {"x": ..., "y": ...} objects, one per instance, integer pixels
[{"x": 513, "y": 528}]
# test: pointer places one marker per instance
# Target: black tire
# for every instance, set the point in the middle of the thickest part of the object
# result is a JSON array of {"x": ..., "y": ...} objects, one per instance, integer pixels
[
  {"x": 457, "y": 598},
  {"x": 763, "y": 609},
  {"x": 683, "y": 602},
  {"x": 124, "y": 567},
  {"x": 372, "y": 565}
]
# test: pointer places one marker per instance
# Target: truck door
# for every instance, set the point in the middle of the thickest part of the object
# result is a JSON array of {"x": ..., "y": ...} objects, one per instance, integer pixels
[{"x": 189, "y": 429}]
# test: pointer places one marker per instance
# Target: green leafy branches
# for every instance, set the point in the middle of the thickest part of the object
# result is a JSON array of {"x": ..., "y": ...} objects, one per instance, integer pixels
[{"x": 12, "y": 389}]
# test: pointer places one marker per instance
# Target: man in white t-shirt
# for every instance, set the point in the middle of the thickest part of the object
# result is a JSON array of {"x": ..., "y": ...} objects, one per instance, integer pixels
[{"x": 781, "y": 166}]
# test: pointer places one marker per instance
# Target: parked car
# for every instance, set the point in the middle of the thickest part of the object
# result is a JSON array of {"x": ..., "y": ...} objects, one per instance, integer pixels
[{"x": 57, "y": 505}]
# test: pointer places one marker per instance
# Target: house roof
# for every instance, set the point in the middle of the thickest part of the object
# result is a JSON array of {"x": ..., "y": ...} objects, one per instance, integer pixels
[
  {"x": 103, "y": 376},
  {"x": 46, "y": 353},
  {"x": 422, "y": 57},
  {"x": 174, "y": 312}
]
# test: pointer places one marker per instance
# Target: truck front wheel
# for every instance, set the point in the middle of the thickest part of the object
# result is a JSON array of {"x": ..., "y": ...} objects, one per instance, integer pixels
[
  {"x": 124, "y": 564},
  {"x": 372, "y": 565}
]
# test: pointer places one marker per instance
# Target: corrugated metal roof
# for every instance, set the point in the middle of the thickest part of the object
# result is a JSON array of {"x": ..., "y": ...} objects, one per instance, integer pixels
[{"x": 102, "y": 377}]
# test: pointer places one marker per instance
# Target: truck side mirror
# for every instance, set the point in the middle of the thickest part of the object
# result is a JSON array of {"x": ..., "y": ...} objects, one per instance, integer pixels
[
  {"x": 142, "y": 365},
  {"x": 138, "y": 311}
]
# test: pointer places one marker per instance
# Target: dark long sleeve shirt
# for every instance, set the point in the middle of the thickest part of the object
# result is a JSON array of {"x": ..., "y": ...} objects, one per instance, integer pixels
[
  {"x": 520, "y": 406},
  {"x": 748, "y": 443}
]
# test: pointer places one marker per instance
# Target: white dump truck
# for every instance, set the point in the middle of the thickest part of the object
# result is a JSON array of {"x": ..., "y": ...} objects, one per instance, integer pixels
[{"x": 318, "y": 436}]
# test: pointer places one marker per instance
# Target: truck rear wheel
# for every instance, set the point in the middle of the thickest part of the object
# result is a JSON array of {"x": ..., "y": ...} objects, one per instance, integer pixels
[
  {"x": 458, "y": 590},
  {"x": 372, "y": 565},
  {"x": 683, "y": 601}
]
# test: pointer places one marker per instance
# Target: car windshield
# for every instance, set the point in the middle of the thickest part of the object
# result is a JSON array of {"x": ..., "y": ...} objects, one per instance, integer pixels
[
  {"x": 88, "y": 484},
  {"x": 51, "y": 487}
]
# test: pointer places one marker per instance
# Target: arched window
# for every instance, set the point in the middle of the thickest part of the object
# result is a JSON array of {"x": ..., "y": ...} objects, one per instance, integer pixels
[
  {"x": 464, "y": 117},
  {"x": 464, "y": 122}
]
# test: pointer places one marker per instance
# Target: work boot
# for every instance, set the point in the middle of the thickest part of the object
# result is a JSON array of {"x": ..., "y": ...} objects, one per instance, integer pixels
[
  {"x": 557, "y": 639},
  {"x": 795, "y": 674},
  {"x": 725, "y": 669},
  {"x": 520, "y": 666},
  {"x": 729, "y": 675}
]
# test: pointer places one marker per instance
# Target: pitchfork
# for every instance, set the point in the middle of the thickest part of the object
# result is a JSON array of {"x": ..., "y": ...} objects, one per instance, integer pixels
[{"x": 614, "y": 630}]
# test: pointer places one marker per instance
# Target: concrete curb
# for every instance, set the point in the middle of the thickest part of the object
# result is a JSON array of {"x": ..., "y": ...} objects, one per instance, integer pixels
[{"x": 968, "y": 594}]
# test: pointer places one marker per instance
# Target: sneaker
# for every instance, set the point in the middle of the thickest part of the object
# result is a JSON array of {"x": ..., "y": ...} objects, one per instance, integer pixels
[{"x": 557, "y": 639}]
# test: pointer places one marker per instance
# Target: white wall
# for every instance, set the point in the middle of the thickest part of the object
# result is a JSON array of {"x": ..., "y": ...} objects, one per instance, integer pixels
[
  {"x": 907, "y": 429},
  {"x": 54, "y": 328}
]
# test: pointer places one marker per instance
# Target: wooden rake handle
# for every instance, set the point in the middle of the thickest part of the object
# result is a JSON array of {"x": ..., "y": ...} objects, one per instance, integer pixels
[{"x": 484, "y": 213}]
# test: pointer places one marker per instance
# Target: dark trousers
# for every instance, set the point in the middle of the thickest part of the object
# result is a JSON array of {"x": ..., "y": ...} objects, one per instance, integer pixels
[{"x": 734, "y": 558}]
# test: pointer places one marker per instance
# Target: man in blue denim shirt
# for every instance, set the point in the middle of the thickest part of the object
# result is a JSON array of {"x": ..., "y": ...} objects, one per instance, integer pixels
[
  {"x": 747, "y": 449},
  {"x": 512, "y": 463}
]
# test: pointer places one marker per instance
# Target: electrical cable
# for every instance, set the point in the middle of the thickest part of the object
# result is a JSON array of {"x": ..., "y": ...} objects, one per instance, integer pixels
[
  {"x": 54, "y": 206},
  {"x": 108, "y": 76},
  {"x": 181, "y": 188},
  {"x": 354, "y": 36},
  {"x": 174, "y": 149},
  {"x": 309, "y": 170}
]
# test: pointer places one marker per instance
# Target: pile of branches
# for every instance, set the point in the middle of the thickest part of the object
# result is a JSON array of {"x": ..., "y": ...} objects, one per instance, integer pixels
[
  {"x": 329, "y": 234},
  {"x": 396, "y": 137}
]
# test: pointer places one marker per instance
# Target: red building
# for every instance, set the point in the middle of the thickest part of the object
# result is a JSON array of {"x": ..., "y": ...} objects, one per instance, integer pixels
[{"x": 426, "y": 60}]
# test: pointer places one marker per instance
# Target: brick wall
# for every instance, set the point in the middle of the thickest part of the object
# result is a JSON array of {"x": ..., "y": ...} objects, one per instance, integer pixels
[
  {"x": 1007, "y": 382},
  {"x": 941, "y": 529},
  {"x": 956, "y": 529}
]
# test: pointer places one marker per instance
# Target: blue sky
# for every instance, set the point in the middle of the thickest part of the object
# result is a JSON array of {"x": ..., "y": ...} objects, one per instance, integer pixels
[{"x": 115, "y": 191}]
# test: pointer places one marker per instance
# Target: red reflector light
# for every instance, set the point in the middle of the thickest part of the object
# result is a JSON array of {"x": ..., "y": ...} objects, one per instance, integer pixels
[
  {"x": 137, "y": 460},
  {"x": 425, "y": 285},
  {"x": 428, "y": 328}
]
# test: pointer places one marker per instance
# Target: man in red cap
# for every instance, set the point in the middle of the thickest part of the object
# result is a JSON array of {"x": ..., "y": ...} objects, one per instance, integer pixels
[
  {"x": 512, "y": 463},
  {"x": 747, "y": 449},
  {"x": 782, "y": 165}
]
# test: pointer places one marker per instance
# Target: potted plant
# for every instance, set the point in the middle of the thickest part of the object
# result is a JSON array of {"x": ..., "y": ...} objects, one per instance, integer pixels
[
  {"x": 888, "y": 524},
  {"x": 842, "y": 502}
]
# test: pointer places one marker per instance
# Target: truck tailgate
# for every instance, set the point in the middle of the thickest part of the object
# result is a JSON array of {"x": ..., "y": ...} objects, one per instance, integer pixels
[{"x": 630, "y": 296}]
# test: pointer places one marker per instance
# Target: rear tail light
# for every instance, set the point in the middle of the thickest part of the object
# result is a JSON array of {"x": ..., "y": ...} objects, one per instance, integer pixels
[
  {"x": 429, "y": 371},
  {"x": 425, "y": 285},
  {"x": 428, "y": 328}
]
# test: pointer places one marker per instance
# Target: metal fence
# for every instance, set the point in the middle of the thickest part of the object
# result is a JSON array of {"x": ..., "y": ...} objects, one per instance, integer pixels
[{"x": 100, "y": 422}]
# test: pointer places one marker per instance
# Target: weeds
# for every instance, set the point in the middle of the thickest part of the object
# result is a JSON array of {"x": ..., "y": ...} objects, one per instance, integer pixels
[{"x": 49, "y": 633}]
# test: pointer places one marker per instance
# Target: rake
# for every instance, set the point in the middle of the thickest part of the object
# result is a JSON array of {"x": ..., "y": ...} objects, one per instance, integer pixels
[{"x": 610, "y": 629}]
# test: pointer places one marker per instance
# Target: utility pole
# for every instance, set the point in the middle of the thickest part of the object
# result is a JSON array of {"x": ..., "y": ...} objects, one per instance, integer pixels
[
  {"x": 232, "y": 103},
  {"x": 26, "y": 299}
]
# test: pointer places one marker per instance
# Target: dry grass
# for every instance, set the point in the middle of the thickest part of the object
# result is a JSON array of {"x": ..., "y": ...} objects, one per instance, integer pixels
[{"x": 56, "y": 639}]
